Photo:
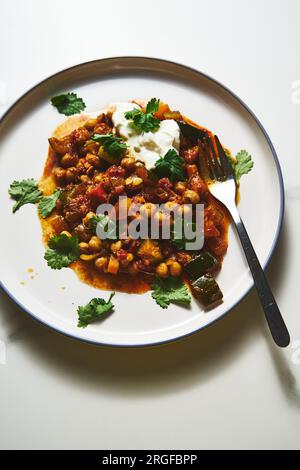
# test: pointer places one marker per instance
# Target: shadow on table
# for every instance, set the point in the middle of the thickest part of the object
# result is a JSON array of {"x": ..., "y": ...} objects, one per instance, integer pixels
[
  {"x": 160, "y": 369},
  {"x": 279, "y": 264}
]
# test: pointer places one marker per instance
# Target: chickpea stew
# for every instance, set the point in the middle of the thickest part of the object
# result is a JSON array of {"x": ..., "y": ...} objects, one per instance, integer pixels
[{"x": 137, "y": 153}]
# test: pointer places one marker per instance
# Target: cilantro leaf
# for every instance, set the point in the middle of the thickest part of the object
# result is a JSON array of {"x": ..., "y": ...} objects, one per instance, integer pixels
[
  {"x": 68, "y": 103},
  {"x": 152, "y": 106},
  {"x": 145, "y": 121},
  {"x": 93, "y": 310},
  {"x": 130, "y": 115},
  {"x": 24, "y": 192},
  {"x": 171, "y": 166},
  {"x": 170, "y": 290},
  {"x": 243, "y": 164},
  {"x": 112, "y": 144},
  {"x": 109, "y": 226},
  {"x": 62, "y": 251},
  {"x": 47, "y": 203}
]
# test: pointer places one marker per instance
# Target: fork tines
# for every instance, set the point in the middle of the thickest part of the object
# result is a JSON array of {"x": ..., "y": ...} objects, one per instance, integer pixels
[
  {"x": 215, "y": 164},
  {"x": 225, "y": 162}
]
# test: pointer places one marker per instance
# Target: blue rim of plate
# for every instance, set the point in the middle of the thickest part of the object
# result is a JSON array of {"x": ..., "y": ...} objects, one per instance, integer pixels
[{"x": 279, "y": 174}]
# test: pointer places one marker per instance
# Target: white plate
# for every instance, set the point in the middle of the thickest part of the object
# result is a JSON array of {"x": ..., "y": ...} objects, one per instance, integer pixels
[{"x": 137, "y": 320}]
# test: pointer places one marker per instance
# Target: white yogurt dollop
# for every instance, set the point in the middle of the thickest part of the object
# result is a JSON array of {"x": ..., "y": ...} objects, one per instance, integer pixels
[{"x": 150, "y": 146}]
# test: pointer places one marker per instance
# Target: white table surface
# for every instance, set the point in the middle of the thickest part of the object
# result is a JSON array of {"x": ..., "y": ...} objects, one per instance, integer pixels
[{"x": 228, "y": 386}]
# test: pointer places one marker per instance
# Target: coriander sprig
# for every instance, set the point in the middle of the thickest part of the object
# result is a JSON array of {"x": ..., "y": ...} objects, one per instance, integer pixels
[
  {"x": 144, "y": 121},
  {"x": 24, "y": 192},
  {"x": 111, "y": 143},
  {"x": 68, "y": 103},
  {"x": 170, "y": 290},
  {"x": 171, "y": 166},
  {"x": 48, "y": 203},
  {"x": 242, "y": 164},
  {"x": 63, "y": 250},
  {"x": 94, "y": 310}
]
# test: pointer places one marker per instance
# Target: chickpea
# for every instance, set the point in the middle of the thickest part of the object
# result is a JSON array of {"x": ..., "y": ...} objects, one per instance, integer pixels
[
  {"x": 88, "y": 257},
  {"x": 90, "y": 123},
  {"x": 129, "y": 257},
  {"x": 95, "y": 243},
  {"x": 71, "y": 174},
  {"x": 98, "y": 178},
  {"x": 65, "y": 232},
  {"x": 84, "y": 178},
  {"x": 84, "y": 248},
  {"x": 162, "y": 270},
  {"x": 169, "y": 262},
  {"x": 190, "y": 196},
  {"x": 180, "y": 187},
  {"x": 116, "y": 246},
  {"x": 60, "y": 175},
  {"x": 68, "y": 160},
  {"x": 86, "y": 165},
  {"x": 92, "y": 159},
  {"x": 133, "y": 182},
  {"x": 87, "y": 218},
  {"x": 175, "y": 269},
  {"x": 80, "y": 163},
  {"x": 101, "y": 263},
  {"x": 128, "y": 163},
  {"x": 90, "y": 170}
]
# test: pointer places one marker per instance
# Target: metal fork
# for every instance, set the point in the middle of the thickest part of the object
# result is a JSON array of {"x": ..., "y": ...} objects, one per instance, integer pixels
[{"x": 218, "y": 174}]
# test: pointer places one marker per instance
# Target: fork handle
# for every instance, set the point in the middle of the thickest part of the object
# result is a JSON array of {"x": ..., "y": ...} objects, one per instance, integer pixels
[{"x": 273, "y": 316}]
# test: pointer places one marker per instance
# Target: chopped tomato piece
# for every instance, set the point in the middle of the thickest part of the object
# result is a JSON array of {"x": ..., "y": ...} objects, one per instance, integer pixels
[
  {"x": 116, "y": 171},
  {"x": 98, "y": 194},
  {"x": 165, "y": 183}
]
